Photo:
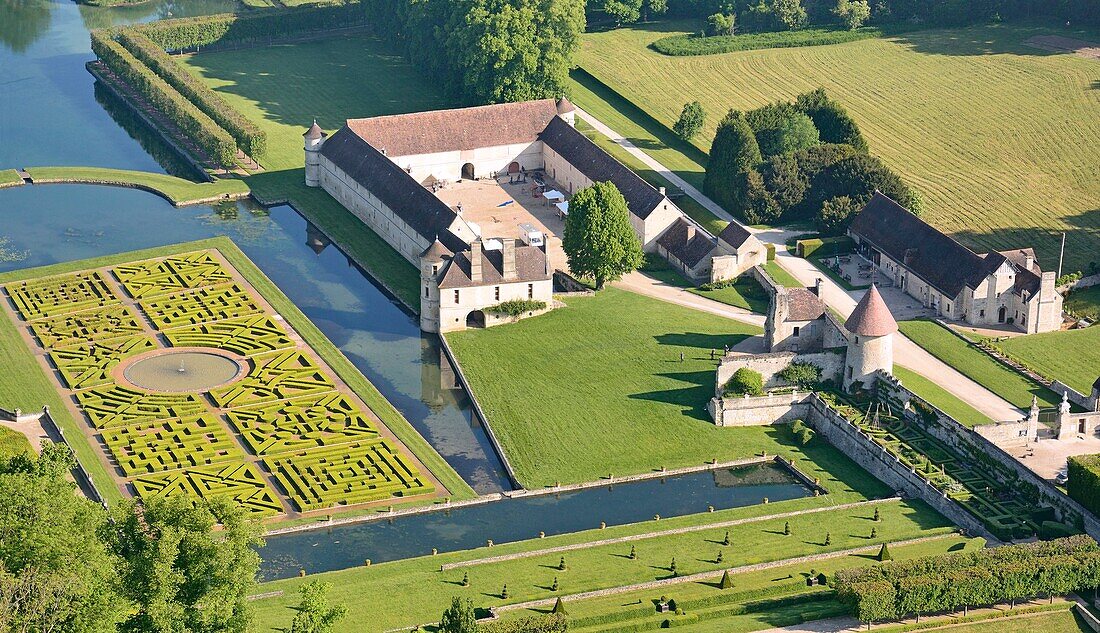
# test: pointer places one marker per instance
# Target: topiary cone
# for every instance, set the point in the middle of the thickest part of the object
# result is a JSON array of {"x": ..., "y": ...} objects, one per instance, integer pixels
[
  {"x": 884, "y": 553},
  {"x": 727, "y": 582},
  {"x": 559, "y": 607}
]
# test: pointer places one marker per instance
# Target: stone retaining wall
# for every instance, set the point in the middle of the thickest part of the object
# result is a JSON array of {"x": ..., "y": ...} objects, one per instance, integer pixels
[{"x": 759, "y": 410}]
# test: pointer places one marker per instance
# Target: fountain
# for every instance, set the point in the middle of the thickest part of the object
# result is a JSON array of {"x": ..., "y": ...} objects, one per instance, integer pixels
[{"x": 182, "y": 370}]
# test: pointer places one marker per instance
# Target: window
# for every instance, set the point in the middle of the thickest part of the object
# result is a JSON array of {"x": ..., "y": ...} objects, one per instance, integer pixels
[
  {"x": 981, "y": 314},
  {"x": 857, "y": 338},
  {"x": 456, "y": 296},
  {"x": 849, "y": 372},
  {"x": 496, "y": 293},
  {"x": 425, "y": 291},
  {"x": 796, "y": 329},
  {"x": 530, "y": 291},
  {"x": 435, "y": 270}
]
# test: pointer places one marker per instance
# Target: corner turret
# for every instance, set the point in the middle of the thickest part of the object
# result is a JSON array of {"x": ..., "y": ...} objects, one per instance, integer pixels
[
  {"x": 871, "y": 345},
  {"x": 432, "y": 262},
  {"x": 314, "y": 138}
]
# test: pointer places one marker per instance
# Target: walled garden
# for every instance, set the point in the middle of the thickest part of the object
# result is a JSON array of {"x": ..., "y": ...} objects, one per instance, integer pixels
[{"x": 285, "y": 423}]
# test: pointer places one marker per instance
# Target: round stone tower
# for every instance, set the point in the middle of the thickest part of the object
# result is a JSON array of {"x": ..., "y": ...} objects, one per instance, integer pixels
[
  {"x": 314, "y": 138},
  {"x": 871, "y": 342},
  {"x": 432, "y": 261}
]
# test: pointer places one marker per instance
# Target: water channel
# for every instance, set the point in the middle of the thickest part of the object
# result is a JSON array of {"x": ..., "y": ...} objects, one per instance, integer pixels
[{"x": 50, "y": 114}]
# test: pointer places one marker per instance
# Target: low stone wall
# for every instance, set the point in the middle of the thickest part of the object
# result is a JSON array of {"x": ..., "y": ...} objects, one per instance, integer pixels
[
  {"x": 1084, "y": 282},
  {"x": 759, "y": 410},
  {"x": 1088, "y": 403},
  {"x": 875, "y": 459},
  {"x": 770, "y": 365},
  {"x": 1007, "y": 433}
]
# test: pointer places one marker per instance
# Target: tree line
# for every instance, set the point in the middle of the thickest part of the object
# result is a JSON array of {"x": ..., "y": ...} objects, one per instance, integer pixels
[
  {"x": 171, "y": 565},
  {"x": 800, "y": 160},
  {"x": 486, "y": 51},
  {"x": 935, "y": 584}
]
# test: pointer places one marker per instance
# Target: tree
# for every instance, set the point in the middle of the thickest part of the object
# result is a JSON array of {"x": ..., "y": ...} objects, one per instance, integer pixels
[
  {"x": 559, "y": 607},
  {"x": 858, "y": 177},
  {"x": 733, "y": 151},
  {"x": 853, "y": 13},
  {"x": 786, "y": 181},
  {"x": 758, "y": 204},
  {"x": 726, "y": 582},
  {"x": 832, "y": 121},
  {"x": 55, "y": 572},
  {"x": 314, "y": 615},
  {"x": 599, "y": 241},
  {"x": 722, "y": 24},
  {"x": 623, "y": 10},
  {"x": 182, "y": 576},
  {"x": 459, "y": 617},
  {"x": 651, "y": 8},
  {"x": 690, "y": 121},
  {"x": 790, "y": 13},
  {"x": 836, "y": 215},
  {"x": 794, "y": 132},
  {"x": 746, "y": 381},
  {"x": 884, "y": 554}
]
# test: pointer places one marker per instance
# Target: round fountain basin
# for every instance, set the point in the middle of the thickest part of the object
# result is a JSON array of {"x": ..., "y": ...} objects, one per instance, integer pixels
[{"x": 182, "y": 370}]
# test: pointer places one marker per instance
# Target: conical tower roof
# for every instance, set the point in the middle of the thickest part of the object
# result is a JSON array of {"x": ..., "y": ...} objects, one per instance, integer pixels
[
  {"x": 565, "y": 106},
  {"x": 436, "y": 252},
  {"x": 314, "y": 132},
  {"x": 871, "y": 316}
]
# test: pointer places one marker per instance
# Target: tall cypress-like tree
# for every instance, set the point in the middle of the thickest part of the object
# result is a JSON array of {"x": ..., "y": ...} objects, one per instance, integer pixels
[
  {"x": 733, "y": 152},
  {"x": 598, "y": 239}
]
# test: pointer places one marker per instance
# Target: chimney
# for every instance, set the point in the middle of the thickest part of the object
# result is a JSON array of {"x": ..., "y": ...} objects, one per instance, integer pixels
[
  {"x": 661, "y": 190},
  {"x": 690, "y": 232},
  {"x": 1029, "y": 260},
  {"x": 509, "y": 254},
  {"x": 475, "y": 261},
  {"x": 458, "y": 208},
  {"x": 819, "y": 286}
]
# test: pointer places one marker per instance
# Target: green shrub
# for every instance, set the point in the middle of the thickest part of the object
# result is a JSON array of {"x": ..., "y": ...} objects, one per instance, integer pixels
[
  {"x": 802, "y": 374},
  {"x": 825, "y": 246},
  {"x": 248, "y": 136},
  {"x": 555, "y": 622},
  {"x": 516, "y": 307},
  {"x": 264, "y": 26},
  {"x": 207, "y": 134},
  {"x": 884, "y": 554},
  {"x": 691, "y": 44},
  {"x": 802, "y": 433},
  {"x": 746, "y": 381},
  {"x": 771, "y": 251},
  {"x": 1083, "y": 484}
]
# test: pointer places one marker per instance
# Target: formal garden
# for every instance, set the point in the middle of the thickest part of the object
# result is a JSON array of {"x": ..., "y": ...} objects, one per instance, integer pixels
[{"x": 282, "y": 416}]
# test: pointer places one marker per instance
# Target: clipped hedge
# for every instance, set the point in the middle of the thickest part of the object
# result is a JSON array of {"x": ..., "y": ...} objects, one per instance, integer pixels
[
  {"x": 516, "y": 307},
  {"x": 771, "y": 251},
  {"x": 210, "y": 137},
  {"x": 693, "y": 44},
  {"x": 1083, "y": 484},
  {"x": 825, "y": 246},
  {"x": 247, "y": 135},
  {"x": 266, "y": 26}
]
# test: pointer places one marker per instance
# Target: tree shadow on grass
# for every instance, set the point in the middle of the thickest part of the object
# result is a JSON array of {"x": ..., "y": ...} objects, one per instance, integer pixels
[
  {"x": 699, "y": 340},
  {"x": 693, "y": 399},
  {"x": 990, "y": 39}
]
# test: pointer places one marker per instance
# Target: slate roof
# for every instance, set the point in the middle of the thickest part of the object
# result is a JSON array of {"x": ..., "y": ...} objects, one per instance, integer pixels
[
  {"x": 599, "y": 166},
  {"x": 871, "y": 316},
  {"x": 429, "y": 216},
  {"x": 1096, "y": 385},
  {"x": 456, "y": 129},
  {"x": 804, "y": 305},
  {"x": 686, "y": 242},
  {"x": 734, "y": 234},
  {"x": 530, "y": 266},
  {"x": 936, "y": 258},
  {"x": 314, "y": 132},
  {"x": 1019, "y": 257}
]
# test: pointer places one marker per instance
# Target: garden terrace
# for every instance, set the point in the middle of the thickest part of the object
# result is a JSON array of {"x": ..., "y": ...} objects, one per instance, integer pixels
[
  {"x": 327, "y": 449},
  {"x": 1072, "y": 357}
]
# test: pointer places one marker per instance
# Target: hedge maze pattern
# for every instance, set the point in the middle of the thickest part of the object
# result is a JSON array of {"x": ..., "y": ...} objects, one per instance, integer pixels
[
  {"x": 323, "y": 449},
  {"x": 90, "y": 364},
  {"x": 274, "y": 377},
  {"x": 160, "y": 445},
  {"x": 70, "y": 329},
  {"x": 212, "y": 303},
  {"x": 60, "y": 295},
  {"x": 170, "y": 275},
  {"x": 301, "y": 424},
  {"x": 239, "y": 481},
  {"x": 353, "y": 473},
  {"x": 246, "y": 336}
]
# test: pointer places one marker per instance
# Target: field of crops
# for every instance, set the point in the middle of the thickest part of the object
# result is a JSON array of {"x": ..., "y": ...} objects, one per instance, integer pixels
[{"x": 1000, "y": 138}]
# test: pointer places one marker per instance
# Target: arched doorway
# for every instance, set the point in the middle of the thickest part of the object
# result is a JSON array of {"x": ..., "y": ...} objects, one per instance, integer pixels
[
  {"x": 468, "y": 171},
  {"x": 513, "y": 168},
  {"x": 475, "y": 319},
  {"x": 1001, "y": 314}
]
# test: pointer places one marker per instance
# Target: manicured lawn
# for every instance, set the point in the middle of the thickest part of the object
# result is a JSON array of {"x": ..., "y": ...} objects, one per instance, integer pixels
[
  {"x": 946, "y": 401},
  {"x": 1072, "y": 357},
  {"x": 1085, "y": 303},
  {"x": 12, "y": 443},
  {"x": 950, "y": 110},
  {"x": 1060, "y": 621},
  {"x": 415, "y": 591},
  {"x": 9, "y": 177},
  {"x": 177, "y": 190},
  {"x": 599, "y": 387},
  {"x": 781, "y": 276},
  {"x": 745, "y": 293},
  {"x": 977, "y": 365}
]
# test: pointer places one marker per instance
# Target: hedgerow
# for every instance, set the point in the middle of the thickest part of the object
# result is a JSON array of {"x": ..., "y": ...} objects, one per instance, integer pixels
[
  {"x": 825, "y": 246},
  {"x": 247, "y": 135},
  {"x": 267, "y": 26},
  {"x": 693, "y": 44},
  {"x": 1083, "y": 484},
  {"x": 207, "y": 134},
  {"x": 517, "y": 307}
]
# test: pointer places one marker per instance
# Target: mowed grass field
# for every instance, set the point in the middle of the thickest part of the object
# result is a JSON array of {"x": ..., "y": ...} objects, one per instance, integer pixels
[
  {"x": 1072, "y": 357},
  {"x": 1000, "y": 138}
]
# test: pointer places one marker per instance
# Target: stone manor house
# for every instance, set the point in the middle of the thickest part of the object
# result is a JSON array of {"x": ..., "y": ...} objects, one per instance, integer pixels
[
  {"x": 382, "y": 170},
  {"x": 1006, "y": 287}
]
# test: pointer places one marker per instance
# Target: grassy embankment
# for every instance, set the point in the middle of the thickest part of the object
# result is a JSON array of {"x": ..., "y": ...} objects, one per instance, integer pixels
[
  {"x": 415, "y": 591},
  {"x": 178, "y": 191},
  {"x": 977, "y": 365},
  {"x": 960, "y": 147},
  {"x": 10, "y": 178},
  {"x": 1072, "y": 357},
  {"x": 12, "y": 443},
  {"x": 1085, "y": 303},
  {"x": 27, "y": 386},
  {"x": 947, "y": 402}
]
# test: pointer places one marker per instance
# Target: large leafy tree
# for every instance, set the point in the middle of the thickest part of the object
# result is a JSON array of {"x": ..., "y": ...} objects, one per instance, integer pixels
[
  {"x": 182, "y": 575},
  {"x": 314, "y": 614},
  {"x": 690, "y": 121},
  {"x": 55, "y": 573},
  {"x": 792, "y": 133},
  {"x": 459, "y": 617},
  {"x": 790, "y": 13},
  {"x": 598, "y": 239},
  {"x": 853, "y": 13},
  {"x": 831, "y": 119},
  {"x": 733, "y": 151},
  {"x": 624, "y": 11}
]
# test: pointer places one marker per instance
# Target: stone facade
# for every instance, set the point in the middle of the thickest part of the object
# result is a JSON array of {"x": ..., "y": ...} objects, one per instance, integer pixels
[
  {"x": 831, "y": 364},
  {"x": 737, "y": 252},
  {"x": 760, "y": 410}
]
